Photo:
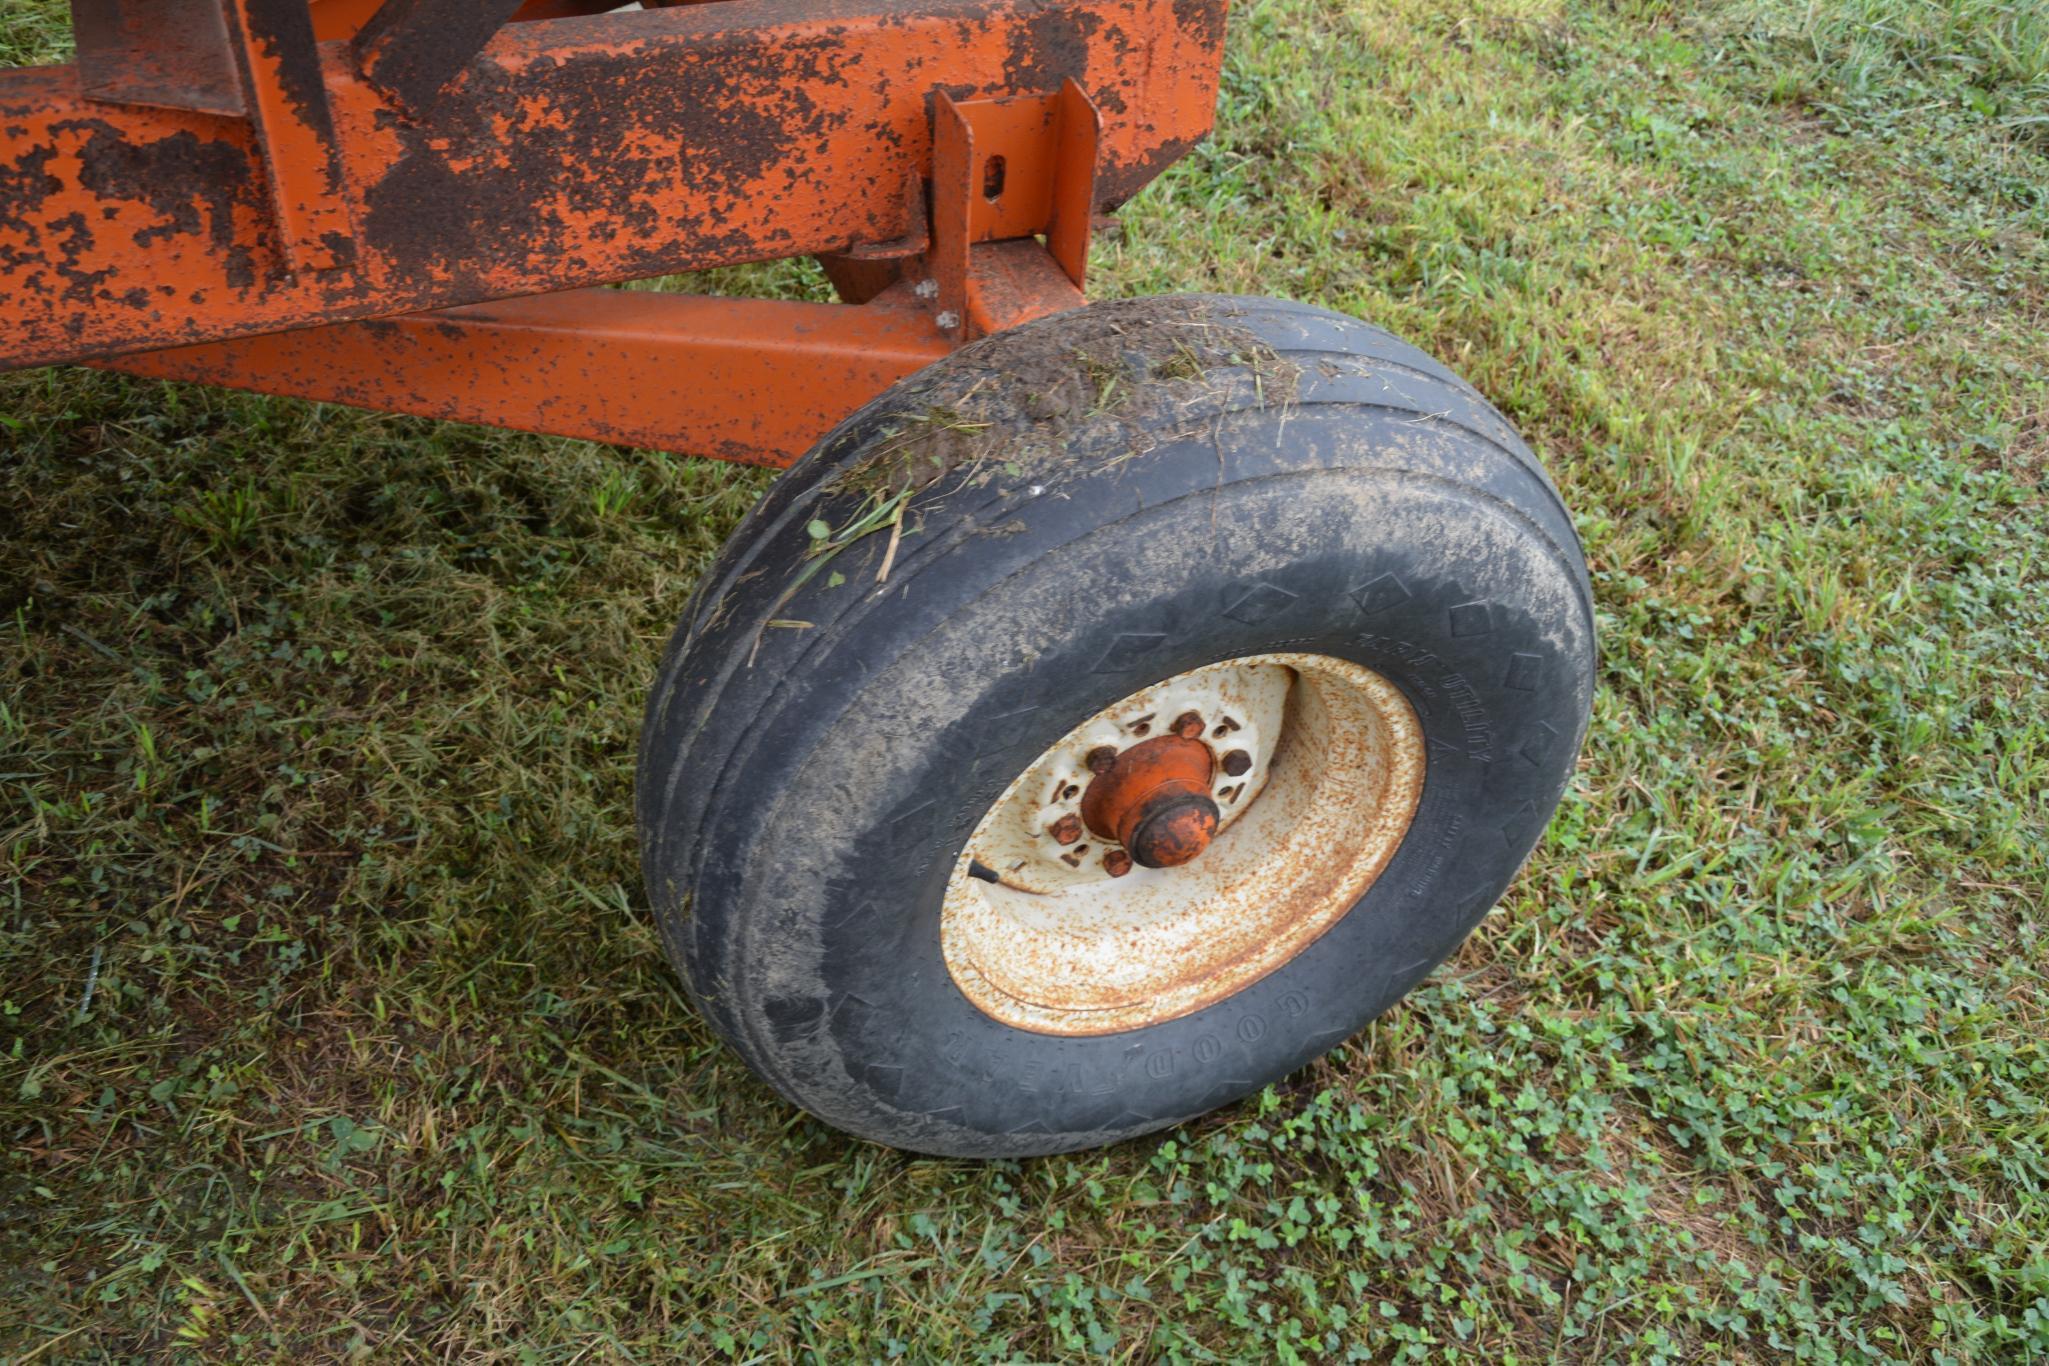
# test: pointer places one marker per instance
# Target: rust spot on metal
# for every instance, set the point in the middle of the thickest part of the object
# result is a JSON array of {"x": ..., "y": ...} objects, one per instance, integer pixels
[
  {"x": 188, "y": 186},
  {"x": 1204, "y": 19},
  {"x": 412, "y": 49},
  {"x": 1049, "y": 48}
]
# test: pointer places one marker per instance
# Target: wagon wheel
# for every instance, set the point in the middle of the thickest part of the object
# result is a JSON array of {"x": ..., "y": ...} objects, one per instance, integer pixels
[{"x": 1109, "y": 720}]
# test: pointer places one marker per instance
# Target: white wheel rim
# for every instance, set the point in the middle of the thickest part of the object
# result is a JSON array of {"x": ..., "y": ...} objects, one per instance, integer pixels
[{"x": 1061, "y": 946}]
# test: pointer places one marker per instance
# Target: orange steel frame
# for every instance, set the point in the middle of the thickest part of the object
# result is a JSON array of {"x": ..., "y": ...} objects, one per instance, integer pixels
[{"x": 420, "y": 205}]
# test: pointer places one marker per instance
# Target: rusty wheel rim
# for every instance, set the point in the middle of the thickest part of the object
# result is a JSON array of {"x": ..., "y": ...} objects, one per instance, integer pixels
[{"x": 1314, "y": 766}]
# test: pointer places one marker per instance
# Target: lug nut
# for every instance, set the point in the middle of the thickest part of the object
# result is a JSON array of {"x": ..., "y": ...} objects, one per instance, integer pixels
[
  {"x": 1237, "y": 763},
  {"x": 1116, "y": 863},
  {"x": 1188, "y": 725},
  {"x": 1101, "y": 757},
  {"x": 1067, "y": 829}
]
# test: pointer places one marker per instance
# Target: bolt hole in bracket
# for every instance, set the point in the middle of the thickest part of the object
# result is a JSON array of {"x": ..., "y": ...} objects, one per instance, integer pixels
[{"x": 1037, "y": 156}]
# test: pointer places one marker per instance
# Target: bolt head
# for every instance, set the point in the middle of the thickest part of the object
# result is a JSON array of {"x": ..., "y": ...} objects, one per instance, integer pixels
[
  {"x": 1188, "y": 725},
  {"x": 1237, "y": 763},
  {"x": 1067, "y": 829},
  {"x": 1101, "y": 757},
  {"x": 1116, "y": 863}
]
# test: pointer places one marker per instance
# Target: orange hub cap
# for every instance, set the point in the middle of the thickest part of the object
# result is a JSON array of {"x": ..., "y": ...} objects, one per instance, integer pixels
[{"x": 1154, "y": 799}]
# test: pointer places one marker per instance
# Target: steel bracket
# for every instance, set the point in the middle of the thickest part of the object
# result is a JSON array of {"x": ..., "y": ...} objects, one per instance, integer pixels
[
  {"x": 159, "y": 54},
  {"x": 286, "y": 95},
  {"x": 255, "y": 60},
  {"x": 1008, "y": 170}
]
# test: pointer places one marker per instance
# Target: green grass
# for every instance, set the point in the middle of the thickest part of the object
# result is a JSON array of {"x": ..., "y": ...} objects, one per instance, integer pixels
[{"x": 315, "y": 761}]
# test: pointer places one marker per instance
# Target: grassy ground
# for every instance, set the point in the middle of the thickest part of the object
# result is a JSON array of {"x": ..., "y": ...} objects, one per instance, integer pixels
[{"x": 330, "y": 1014}]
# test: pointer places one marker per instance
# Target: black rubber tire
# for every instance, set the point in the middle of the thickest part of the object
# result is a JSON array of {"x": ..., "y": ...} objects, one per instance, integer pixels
[{"x": 1124, "y": 492}]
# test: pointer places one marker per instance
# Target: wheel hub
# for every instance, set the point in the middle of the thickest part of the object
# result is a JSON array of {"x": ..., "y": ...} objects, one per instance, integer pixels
[
  {"x": 1038, "y": 838},
  {"x": 1154, "y": 799},
  {"x": 1182, "y": 843}
]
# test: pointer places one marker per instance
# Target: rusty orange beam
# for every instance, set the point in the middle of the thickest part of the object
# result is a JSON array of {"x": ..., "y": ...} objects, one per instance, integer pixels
[
  {"x": 757, "y": 381},
  {"x": 752, "y": 380},
  {"x": 570, "y": 152}
]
